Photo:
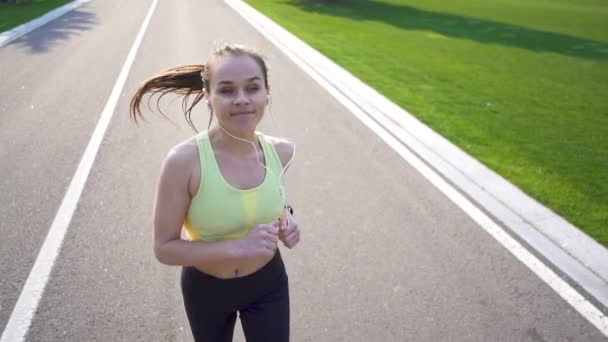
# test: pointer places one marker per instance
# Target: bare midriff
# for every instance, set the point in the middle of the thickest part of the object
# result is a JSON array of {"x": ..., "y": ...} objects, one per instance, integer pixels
[{"x": 236, "y": 269}]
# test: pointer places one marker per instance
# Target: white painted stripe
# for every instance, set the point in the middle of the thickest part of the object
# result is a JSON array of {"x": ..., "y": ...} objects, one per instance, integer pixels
[
  {"x": 27, "y": 304},
  {"x": 569, "y": 294},
  {"x": 16, "y": 32}
]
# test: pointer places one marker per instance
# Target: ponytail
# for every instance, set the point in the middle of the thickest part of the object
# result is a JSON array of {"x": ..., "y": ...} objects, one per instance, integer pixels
[
  {"x": 183, "y": 80},
  {"x": 190, "y": 79}
]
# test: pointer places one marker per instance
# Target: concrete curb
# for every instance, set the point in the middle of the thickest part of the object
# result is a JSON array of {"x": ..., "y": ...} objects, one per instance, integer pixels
[
  {"x": 9, "y": 36},
  {"x": 565, "y": 246}
]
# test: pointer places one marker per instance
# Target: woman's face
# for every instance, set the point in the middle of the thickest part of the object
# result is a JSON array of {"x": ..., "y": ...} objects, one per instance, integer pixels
[{"x": 238, "y": 94}]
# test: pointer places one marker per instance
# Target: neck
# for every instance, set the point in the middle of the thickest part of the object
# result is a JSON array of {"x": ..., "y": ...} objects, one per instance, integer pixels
[{"x": 221, "y": 138}]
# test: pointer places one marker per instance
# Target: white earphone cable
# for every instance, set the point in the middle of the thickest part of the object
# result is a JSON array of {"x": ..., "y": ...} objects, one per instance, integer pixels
[{"x": 280, "y": 186}]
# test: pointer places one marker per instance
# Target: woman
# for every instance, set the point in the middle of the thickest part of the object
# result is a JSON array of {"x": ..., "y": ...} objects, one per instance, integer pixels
[{"x": 224, "y": 186}]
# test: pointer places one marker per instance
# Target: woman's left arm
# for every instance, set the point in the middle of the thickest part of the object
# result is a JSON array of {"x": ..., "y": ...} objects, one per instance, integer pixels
[{"x": 289, "y": 233}]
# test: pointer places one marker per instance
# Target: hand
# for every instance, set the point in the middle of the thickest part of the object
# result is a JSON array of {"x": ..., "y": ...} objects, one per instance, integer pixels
[
  {"x": 289, "y": 233},
  {"x": 260, "y": 241}
]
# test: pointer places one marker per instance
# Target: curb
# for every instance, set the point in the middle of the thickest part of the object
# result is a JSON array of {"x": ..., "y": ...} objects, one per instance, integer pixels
[
  {"x": 9, "y": 36},
  {"x": 564, "y": 245}
]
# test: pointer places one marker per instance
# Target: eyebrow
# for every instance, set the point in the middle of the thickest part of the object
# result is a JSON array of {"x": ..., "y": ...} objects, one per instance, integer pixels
[{"x": 248, "y": 80}]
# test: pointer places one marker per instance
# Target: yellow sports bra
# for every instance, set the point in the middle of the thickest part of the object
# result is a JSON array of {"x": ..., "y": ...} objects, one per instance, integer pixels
[{"x": 219, "y": 211}]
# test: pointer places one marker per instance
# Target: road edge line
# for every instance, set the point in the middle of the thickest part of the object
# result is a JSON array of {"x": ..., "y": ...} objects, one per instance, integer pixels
[{"x": 23, "y": 313}]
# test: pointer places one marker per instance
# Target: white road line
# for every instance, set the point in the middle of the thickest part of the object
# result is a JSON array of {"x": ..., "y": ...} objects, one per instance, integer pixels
[
  {"x": 27, "y": 304},
  {"x": 568, "y": 293}
]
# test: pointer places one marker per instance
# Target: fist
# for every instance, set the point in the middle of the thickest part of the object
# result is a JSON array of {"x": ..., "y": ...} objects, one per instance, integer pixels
[
  {"x": 289, "y": 233},
  {"x": 261, "y": 240}
]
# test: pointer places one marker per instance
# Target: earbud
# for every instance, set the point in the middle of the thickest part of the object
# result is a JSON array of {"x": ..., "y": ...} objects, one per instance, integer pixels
[{"x": 268, "y": 99}]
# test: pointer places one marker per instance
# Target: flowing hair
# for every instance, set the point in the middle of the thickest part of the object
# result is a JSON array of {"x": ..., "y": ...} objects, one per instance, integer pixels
[{"x": 189, "y": 80}]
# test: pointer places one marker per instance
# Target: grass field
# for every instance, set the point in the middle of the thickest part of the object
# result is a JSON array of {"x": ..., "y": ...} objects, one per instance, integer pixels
[
  {"x": 12, "y": 15},
  {"x": 522, "y": 85}
]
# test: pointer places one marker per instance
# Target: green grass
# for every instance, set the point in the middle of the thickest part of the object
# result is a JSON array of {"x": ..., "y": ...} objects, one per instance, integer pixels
[
  {"x": 12, "y": 15},
  {"x": 519, "y": 84}
]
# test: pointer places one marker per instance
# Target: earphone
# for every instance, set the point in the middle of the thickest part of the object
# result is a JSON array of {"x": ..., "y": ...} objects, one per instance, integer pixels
[{"x": 280, "y": 186}]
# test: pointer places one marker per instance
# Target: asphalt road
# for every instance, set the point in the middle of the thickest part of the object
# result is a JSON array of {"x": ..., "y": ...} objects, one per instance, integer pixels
[{"x": 384, "y": 256}]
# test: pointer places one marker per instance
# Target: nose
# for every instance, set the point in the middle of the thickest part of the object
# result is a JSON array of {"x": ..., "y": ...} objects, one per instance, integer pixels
[{"x": 241, "y": 98}]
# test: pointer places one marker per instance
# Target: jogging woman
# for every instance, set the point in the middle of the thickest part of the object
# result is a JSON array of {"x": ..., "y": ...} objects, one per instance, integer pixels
[{"x": 224, "y": 187}]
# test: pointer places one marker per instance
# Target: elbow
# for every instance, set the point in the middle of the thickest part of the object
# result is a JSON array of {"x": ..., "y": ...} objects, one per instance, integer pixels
[{"x": 159, "y": 253}]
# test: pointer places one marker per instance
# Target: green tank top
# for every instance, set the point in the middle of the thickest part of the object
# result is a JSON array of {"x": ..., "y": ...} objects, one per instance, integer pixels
[{"x": 219, "y": 211}]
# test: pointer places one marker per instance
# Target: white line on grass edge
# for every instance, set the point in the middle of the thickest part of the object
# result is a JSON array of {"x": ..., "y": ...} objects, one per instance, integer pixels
[
  {"x": 569, "y": 294},
  {"x": 27, "y": 304}
]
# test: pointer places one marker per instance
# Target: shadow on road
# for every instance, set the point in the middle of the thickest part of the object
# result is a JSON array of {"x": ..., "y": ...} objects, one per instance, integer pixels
[
  {"x": 456, "y": 26},
  {"x": 43, "y": 39}
]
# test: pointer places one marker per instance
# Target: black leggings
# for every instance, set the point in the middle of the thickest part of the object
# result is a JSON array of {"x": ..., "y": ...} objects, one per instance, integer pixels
[{"x": 261, "y": 298}]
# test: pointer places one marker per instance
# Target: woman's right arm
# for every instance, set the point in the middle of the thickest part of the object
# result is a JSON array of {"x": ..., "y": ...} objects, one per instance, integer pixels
[{"x": 170, "y": 209}]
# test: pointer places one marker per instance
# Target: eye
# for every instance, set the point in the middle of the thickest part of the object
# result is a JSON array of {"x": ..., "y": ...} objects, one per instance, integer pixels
[
  {"x": 253, "y": 88},
  {"x": 226, "y": 91}
]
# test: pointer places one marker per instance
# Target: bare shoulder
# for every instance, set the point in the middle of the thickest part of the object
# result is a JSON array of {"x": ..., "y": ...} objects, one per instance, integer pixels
[
  {"x": 181, "y": 159},
  {"x": 285, "y": 148}
]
